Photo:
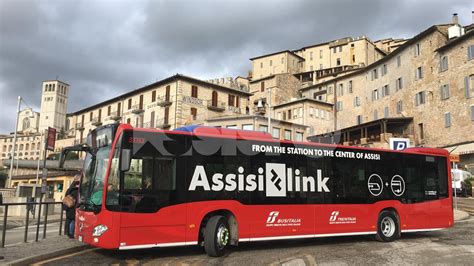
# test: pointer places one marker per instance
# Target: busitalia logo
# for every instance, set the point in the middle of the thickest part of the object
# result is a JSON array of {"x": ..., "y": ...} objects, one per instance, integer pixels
[{"x": 276, "y": 180}]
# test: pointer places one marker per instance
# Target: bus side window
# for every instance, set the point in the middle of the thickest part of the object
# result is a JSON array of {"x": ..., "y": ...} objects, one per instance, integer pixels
[{"x": 442, "y": 178}]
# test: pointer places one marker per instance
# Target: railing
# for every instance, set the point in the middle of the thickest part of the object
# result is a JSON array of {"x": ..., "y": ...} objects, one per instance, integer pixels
[
  {"x": 259, "y": 110},
  {"x": 137, "y": 109},
  {"x": 29, "y": 206},
  {"x": 219, "y": 106},
  {"x": 7, "y": 192},
  {"x": 96, "y": 121},
  {"x": 114, "y": 116},
  {"x": 163, "y": 101}
]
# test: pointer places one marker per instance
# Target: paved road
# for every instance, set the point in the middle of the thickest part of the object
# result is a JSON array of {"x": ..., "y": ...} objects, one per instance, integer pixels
[
  {"x": 15, "y": 235},
  {"x": 451, "y": 246}
]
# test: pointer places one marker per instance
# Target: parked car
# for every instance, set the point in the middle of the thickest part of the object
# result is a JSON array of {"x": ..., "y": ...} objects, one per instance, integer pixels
[{"x": 461, "y": 182}]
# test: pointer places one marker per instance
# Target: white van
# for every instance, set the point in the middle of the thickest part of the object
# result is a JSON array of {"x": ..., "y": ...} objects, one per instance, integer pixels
[{"x": 458, "y": 182}]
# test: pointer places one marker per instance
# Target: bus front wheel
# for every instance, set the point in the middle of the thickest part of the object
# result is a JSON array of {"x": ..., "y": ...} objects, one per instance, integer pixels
[
  {"x": 388, "y": 228},
  {"x": 216, "y": 236}
]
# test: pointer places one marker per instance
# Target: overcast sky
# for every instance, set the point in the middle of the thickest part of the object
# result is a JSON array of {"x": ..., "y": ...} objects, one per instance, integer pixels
[{"x": 105, "y": 48}]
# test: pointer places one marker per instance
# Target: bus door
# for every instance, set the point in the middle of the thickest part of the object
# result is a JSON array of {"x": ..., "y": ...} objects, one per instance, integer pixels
[
  {"x": 435, "y": 175},
  {"x": 150, "y": 215}
]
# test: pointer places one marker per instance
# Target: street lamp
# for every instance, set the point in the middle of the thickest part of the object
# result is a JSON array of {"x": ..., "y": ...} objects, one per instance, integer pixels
[
  {"x": 14, "y": 144},
  {"x": 13, "y": 151}
]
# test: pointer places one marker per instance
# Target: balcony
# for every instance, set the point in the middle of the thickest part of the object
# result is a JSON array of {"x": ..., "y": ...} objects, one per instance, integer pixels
[
  {"x": 234, "y": 109},
  {"x": 259, "y": 110},
  {"x": 137, "y": 109},
  {"x": 96, "y": 122},
  {"x": 162, "y": 123},
  {"x": 218, "y": 107},
  {"x": 163, "y": 101},
  {"x": 80, "y": 126},
  {"x": 158, "y": 123},
  {"x": 115, "y": 115}
]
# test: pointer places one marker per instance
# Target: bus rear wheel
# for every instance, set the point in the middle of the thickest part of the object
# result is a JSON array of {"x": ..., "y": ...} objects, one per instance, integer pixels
[
  {"x": 216, "y": 236},
  {"x": 388, "y": 228}
]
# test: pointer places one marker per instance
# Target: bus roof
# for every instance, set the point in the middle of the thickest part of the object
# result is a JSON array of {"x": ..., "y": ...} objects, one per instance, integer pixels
[{"x": 264, "y": 136}]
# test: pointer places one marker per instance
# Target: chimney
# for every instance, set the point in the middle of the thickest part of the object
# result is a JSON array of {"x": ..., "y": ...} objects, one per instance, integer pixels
[
  {"x": 455, "y": 18},
  {"x": 472, "y": 12}
]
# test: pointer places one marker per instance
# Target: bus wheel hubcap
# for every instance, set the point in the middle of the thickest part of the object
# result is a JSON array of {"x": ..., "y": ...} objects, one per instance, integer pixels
[
  {"x": 222, "y": 236},
  {"x": 388, "y": 226}
]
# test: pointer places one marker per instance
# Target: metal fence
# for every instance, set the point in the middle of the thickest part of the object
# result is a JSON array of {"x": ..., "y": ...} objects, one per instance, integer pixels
[{"x": 29, "y": 206}]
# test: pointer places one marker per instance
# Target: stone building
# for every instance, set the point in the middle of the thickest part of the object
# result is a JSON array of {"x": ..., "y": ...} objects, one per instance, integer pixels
[{"x": 167, "y": 104}]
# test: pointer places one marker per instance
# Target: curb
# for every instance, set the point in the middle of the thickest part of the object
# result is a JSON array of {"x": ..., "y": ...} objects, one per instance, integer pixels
[{"x": 46, "y": 256}]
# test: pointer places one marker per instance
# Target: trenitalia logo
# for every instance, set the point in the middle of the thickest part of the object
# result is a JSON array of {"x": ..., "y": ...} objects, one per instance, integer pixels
[
  {"x": 276, "y": 180},
  {"x": 334, "y": 215},
  {"x": 272, "y": 217}
]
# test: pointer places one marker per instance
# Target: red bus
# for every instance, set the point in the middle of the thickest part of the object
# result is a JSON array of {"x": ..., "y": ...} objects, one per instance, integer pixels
[{"x": 218, "y": 187}]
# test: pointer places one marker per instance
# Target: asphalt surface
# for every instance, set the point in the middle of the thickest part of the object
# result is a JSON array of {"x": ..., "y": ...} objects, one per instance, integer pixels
[
  {"x": 467, "y": 205},
  {"x": 450, "y": 246}
]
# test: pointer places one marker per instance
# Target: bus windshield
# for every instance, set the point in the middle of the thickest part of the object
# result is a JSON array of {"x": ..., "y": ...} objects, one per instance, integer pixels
[
  {"x": 93, "y": 180},
  {"x": 99, "y": 142}
]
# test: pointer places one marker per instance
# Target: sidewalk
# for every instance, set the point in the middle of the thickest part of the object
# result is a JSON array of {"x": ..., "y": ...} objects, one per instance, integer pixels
[
  {"x": 61, "y": 245},
  {"x": 27, "y": 253},
  {"x": 17, "y": 221}
]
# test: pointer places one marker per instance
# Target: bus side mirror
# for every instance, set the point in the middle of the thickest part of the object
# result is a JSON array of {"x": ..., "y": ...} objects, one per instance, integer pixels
[{"x": 125, "y": 160}]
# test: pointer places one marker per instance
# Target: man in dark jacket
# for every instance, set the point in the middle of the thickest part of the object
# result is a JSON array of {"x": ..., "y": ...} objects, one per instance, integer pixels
[{"x": 73, "y": 190}]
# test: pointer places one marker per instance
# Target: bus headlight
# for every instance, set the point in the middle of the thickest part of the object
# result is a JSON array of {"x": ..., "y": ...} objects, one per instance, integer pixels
[{"x": 99, "y": 230}]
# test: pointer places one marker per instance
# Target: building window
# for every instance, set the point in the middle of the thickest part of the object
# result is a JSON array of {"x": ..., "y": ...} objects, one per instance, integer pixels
[
  {"x": 447, "y": 120},
  {"x": 399, "y": 107},
  {"x": 289, "y": 114},
  {"x": 384, "y": 70},
  {"x": 153, "y": 96},
  {"x": 91, "y": 116},
  {"x": 247, "y": 127},
  {"x": 231, "y": 100},
  {"x": 262, "y": 86},
  {"x": 109, "y": 110},
  {"x": 320, "y": 54},
  {"x": 359, "y": 119},
  {"x": 472, "y": 113},
  {"x": 129, "y": 104},
  {"x": 119, "y": 105},
  {"x": 470, "y": 52},
  {"x": 356, "y": 101},
  {"x": 271, "y": 62},
  {"x": 349, "y": 86},
  {"x": 339, "y": 106},
  {"x": 399, "y": 84},
  {"x": 232, "y": 127},
  {"x": 469, "y": 86},
  {"x": 420, "y": 98},
  {"x": 417, "y": 49},
  {"x": 263, "y": 128},
  {"x": 386, "y": 112},
  {"x": 194, "y": 113},
  {"x": 385, "y": 90},
  {"x": 284, "y": 115},
  {"x": 287, "y": 134},
  {"x": 444, "y": 92},
  {"x": 299, "y": 136},
  {"x": 166, "y": 117},
  {"x": 334, "y": 50},
  {"x": 419, "y": 73},
  {"x": 214, "y": 98},
  {"x": 338, "y": 61},
  {"x": 443, "y": 63},
  {"x": 329, "y": 90},
  {"x": 375, "y": 95},
  {"x": 261, "y": 64},
  {"x": 340, "y": 48},
  {"x": 167, "y": 93},
  {"x": 194, "y": 91},
  {"x": 399, "y": 61},
  {"x": 128, "y": 121},
  {"x": 374, "y": 74},
  {"x": 276, "y": 133},
  {"x": 340, "y": 89}
]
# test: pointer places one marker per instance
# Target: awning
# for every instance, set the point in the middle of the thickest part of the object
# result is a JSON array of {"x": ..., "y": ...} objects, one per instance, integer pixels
[{"x": 467, "y": 148}]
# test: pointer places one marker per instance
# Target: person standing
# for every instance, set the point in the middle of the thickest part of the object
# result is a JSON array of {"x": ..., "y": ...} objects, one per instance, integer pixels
[{"x": 72, "y": 191}]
